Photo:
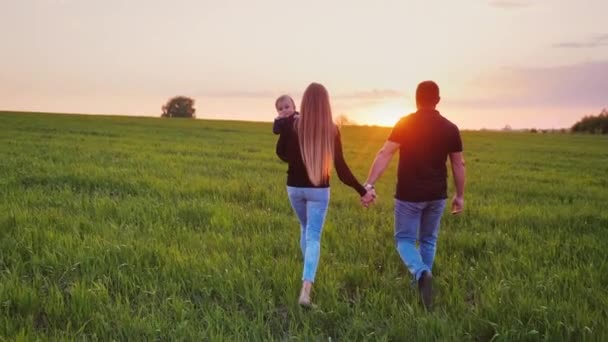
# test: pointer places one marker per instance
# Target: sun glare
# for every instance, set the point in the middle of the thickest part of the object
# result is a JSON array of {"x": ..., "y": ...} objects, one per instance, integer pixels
[{"x": 386, "y": 113}]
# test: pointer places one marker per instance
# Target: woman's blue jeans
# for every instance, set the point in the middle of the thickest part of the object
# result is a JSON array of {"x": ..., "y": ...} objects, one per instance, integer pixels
[{"x": 310, "y": 205}]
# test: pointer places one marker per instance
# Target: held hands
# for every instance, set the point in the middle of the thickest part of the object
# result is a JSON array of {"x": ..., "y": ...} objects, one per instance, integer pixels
[{"x": 370, "y": 197}]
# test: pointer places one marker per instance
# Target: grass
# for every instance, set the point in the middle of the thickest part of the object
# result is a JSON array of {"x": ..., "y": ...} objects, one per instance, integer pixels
[{"x": 165, "y": 229}]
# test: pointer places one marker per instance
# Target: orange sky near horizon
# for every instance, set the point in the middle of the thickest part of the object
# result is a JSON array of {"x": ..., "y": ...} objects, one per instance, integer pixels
[{"x": 522, "y": 63}]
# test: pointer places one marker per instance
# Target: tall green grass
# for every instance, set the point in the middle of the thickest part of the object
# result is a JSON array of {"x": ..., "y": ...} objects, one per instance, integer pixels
[{"x": 166, "y": 229}]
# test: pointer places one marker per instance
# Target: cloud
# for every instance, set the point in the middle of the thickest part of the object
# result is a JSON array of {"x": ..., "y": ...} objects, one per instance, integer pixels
[
  {"x": 576, "y": 85},
  {"x": 364, "y": 95},
  {"x": 572, "y": 45},
  {"x": 509, "y": 4},
  {"x": 241, "y": 94},
  {"x": 597, "y": 41},
  {"x": 374, "y": 94}
]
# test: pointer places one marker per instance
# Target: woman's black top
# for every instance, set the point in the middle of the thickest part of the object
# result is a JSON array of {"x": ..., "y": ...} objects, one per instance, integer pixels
[{"x": 288, "y": 149}]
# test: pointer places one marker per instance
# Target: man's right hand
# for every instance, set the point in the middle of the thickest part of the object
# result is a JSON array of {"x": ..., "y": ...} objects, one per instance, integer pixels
[{"x": 457, "y": 204}]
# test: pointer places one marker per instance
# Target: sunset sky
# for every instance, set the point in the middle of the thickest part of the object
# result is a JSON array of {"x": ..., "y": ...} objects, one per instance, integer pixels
[{"x": 524, "y": 63}]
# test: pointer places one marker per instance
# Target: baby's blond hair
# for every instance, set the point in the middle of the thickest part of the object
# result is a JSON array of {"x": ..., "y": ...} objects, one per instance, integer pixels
[{"x": 282, "y": 98}]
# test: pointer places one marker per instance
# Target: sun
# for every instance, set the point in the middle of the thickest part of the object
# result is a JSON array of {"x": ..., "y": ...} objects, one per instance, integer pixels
[{"x": 387, "y": 113}]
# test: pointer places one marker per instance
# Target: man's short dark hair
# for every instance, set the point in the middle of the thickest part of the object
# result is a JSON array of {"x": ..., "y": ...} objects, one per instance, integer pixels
[{"x": 427, "y": 93}]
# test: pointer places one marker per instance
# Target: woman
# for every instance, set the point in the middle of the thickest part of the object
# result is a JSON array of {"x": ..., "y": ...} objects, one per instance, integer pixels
[{"x": 310, "y": 143}]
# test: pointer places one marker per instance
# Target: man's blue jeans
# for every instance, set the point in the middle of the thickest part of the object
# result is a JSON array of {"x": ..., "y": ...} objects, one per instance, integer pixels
[
  {"x": 417, "y": 222},
  {"x": 310, "y": 205}
]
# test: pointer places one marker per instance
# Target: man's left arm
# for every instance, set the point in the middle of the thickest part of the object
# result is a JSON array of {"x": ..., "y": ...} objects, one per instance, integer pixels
[{"x": 458, "y": 171}]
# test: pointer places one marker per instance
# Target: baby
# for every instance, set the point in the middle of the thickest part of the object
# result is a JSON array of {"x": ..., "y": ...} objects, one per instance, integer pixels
[{"x": 286, "y": 109}]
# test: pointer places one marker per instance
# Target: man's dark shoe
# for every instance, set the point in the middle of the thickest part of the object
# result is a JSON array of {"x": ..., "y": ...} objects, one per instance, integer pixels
[{"x": 425, "y": 287}]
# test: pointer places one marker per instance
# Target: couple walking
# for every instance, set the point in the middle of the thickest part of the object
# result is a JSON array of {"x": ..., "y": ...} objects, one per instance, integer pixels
[{"x": 310, "y": 143}]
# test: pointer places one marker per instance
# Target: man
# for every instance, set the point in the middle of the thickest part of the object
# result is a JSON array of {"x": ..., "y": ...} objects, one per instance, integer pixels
[{"x": 424, "y": 139}]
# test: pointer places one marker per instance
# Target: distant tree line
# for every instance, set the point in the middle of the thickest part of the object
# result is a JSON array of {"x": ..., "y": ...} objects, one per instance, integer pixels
[
  {"x": 344, "y": 120},
  {"x": 593, "y": 124},
  {"x": 552, "y": 130}
]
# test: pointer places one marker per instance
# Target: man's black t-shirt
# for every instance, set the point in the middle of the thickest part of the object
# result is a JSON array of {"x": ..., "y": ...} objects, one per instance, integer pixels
[{"x": 426, "y": 139}]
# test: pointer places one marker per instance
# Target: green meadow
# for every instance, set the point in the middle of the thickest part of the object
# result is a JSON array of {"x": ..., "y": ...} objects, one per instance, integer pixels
[{"x": 123, "y": 228}]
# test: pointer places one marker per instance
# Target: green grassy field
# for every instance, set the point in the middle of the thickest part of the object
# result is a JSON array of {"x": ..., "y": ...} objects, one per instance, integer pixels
[{"x": 142, "y": 228}]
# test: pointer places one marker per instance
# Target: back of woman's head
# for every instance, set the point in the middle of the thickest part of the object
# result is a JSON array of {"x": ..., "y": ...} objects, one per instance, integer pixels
[{"x": 316, "y": 133}]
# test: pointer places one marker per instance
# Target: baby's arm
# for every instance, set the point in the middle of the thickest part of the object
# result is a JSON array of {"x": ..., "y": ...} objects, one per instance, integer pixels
[
  {"x": 281, "y": 121},
  {"x": 278, "y": 124}
]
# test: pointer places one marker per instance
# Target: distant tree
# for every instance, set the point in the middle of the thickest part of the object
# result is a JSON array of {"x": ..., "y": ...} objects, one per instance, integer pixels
[
  {"x": 179, "y": 107},
  {"x": 593, "y": 124},
  {"x": 344, "y": 120},
  {"x": 507, "y": 128},
  {"x": 533, "y": 130}
]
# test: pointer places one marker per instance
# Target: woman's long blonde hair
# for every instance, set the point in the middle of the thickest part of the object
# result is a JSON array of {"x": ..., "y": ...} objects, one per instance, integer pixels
[{"x": 316, "y": 133}]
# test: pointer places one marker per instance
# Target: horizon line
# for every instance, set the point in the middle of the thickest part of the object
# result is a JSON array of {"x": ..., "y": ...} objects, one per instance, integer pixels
[{"x": 6, "y": 111}]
